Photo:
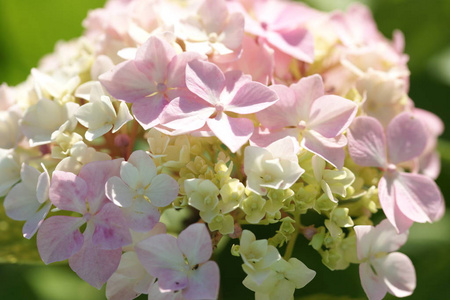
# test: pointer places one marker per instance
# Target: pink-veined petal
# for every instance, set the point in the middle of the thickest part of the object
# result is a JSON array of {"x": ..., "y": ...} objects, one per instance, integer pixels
[
  {"x": 233, "y": 132},
  {"x": 373, "y": 286},
  {"x": 330, "y": 115},
  {"x": 195, "y": 243},
  {"x": 205, "y": 80},
  {"x": 118, "y": 192},
  {"x": 386, "y": 194},
  {"x": 330, "y": 149},
  {"x": 126, "y": 82},
  {"x": 163, "y": 190},
  {"x": 285, "y": 112},
  {"x": 203, "y": 282},
  {"x": 96, "y": 174},
  {"x": 141, "y": 216},
  {"x": 94, "y": 265},
  {"x": 406, "y": 138},
  {"x": 185, "y": 114},
  {"x": 252, "y": 97},
  {"x": 34, "y": 222},
  {"x": 366, "y": 142},
  {"x": 418, "y": 197},
  {"x": 397, "y": 272},
  {"x": 263, "y": 137},
  {"x": 153, "y": 57},
  {"x": 68, "y": 191},
  {"x": 176, "y": 77},
  {"x": 146, "y": 111},
  {"x": 306, "y": 91},
  {"x": 110, "y": 230},
  {"x": 59, "y": 238},
  {"x": 162, "y": 258}
]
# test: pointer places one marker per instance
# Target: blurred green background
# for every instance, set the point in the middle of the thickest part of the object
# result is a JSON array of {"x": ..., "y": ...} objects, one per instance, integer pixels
[{"x": 29, "y": 29}]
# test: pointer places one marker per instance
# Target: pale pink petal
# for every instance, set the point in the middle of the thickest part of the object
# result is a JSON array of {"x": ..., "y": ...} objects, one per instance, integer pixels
[
  {"x": 397, "y": 272},
  {"x": 185, "y": 114},
  {"x": 94, "y": 265},
  {"x": 126, "y": 82},
  {"x": 153, "y": 57},
  {"x": 373, "y": 286},
  {"x": 96, "y": 174},
  {"x": 118, "y": 192},
  {"x": 418, "y": 197},
  {"x": 285, "y": 112},
  {"x": 68, "y": 191},
  {"x": 364, "y": 239},
  {"x": 433, "y": 123},
  {"x": 213, "y": 14},
  {"x": 386, "y": 194},
  {"x": 233, "y": 132},
  {"x": 297, "y": 42},
  {"x": 145, "y": 166},
  {"x": 163, "y": 190},
  {"x": 205, "y": 80},
  {"x": 59, "y": 238},
  {"x": 195, "y": 243},
  {"x": 430, "y": 164},
  {"x": 147, "y": 110},
  {"x": 21, "y": 203},
  {"x": 385, "y": 238},
  {"x": 162, "y": 258},
  {"x": 366, "y": 142},
  {"x": 111, "y": 230},
  {"x": 406, "y": 138},
  {"x": 234, "y": 31},
  {"x": 141, "y": 216},
  {"x": 203, "y": 282},
  {"x": 332, "y": 150},
  {"x": 307, "y": 90},
  {"x": 176, "y": 77},
  {"x": 330, "y": 115},
  {"x": 251, "y": 98},
  {"x": 34, "y": 222},
  {"x": 263, "y": 137}
]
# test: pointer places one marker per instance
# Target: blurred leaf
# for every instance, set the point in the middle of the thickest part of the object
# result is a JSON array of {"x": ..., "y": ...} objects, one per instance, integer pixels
[
  {"x": 14, "y": 248},
  {"x": 327, "y": 297},
  {"x": 60, "y": 283}
]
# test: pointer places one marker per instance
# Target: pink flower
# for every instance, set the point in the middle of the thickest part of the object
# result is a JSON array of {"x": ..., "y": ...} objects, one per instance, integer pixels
[
  {"x": 381, "y": 269},
  {"x": 183, "y": 263},
  {"x": 404, "y": 197},
  {"x": 94, "y": 254},
  {"x": 150, "y": 81},
  {"x": 305, "y": 113},
  {"x": 220, "y": 94},
  {"x": 281, "y": 25}
]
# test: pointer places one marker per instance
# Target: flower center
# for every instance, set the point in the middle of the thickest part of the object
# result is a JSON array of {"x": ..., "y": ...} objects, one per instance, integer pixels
[
  {"x": 161, "y": 87},
  {"x": 301, "y": 125},
  {"x": 212, "y": 38}
]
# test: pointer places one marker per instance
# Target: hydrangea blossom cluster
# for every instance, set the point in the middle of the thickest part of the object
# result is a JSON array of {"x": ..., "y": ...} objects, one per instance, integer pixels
[{"x": 219, "y": 114}]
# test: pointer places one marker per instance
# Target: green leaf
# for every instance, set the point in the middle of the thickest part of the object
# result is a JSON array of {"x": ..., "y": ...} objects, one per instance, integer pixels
[{"x": 14, "y": 248}]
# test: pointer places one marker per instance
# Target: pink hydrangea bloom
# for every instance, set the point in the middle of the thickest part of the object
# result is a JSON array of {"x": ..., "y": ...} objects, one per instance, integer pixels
[
  {"x": 306, "y": 113},
  {"x": 94, "y": 254},
  {"x": 149, "y": 81},
  {"x": 404, "y": 197},
  {"x": 183, "y": 263},
  {"x": 382, "y": 270},
  {"x": 220, "y": 94}
]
